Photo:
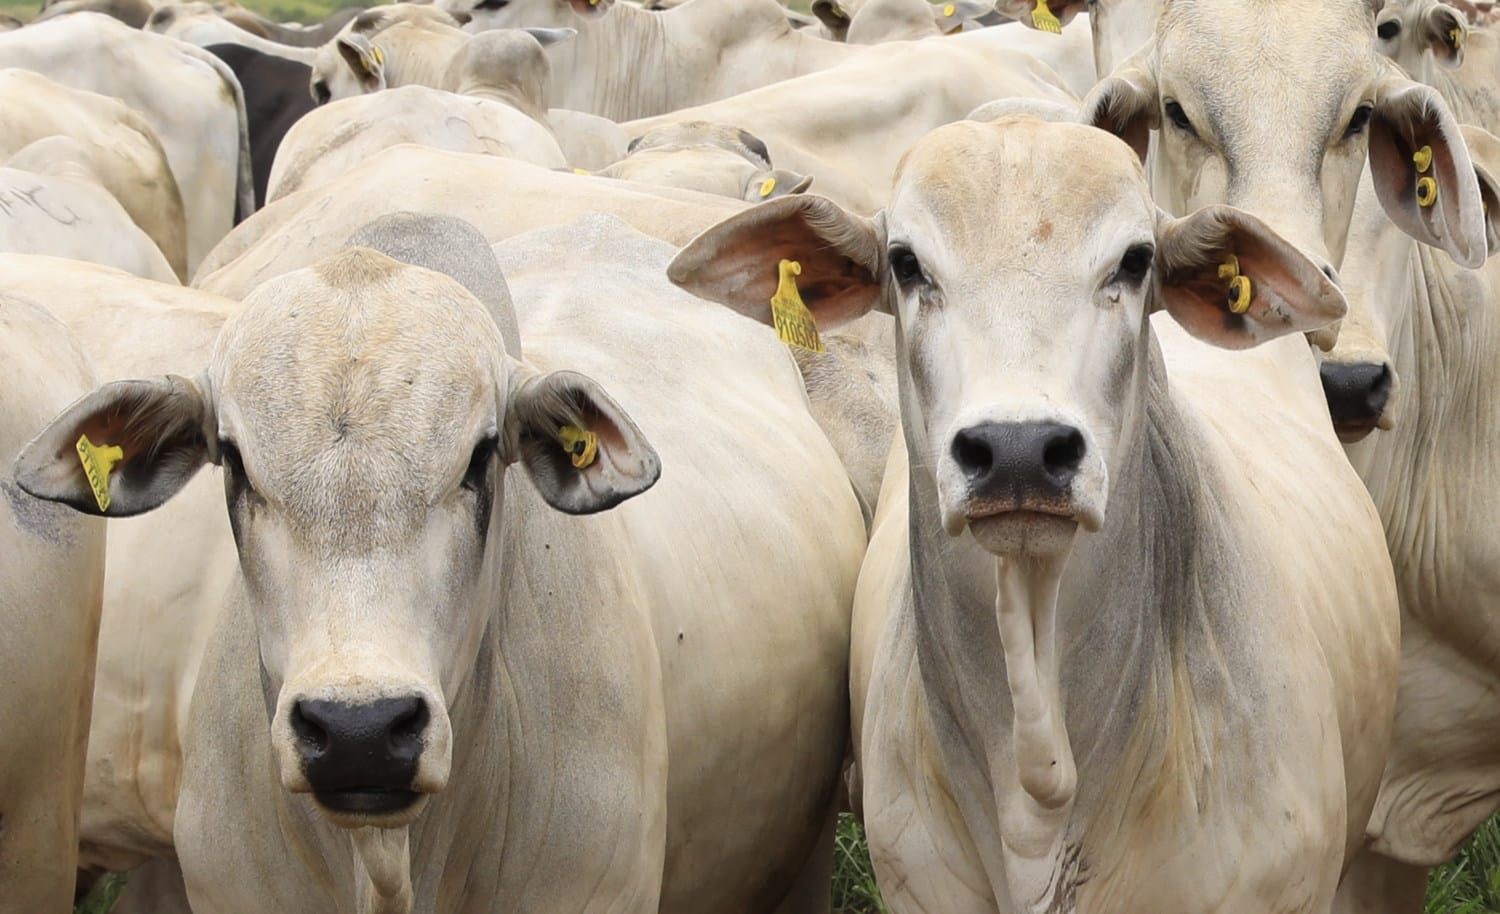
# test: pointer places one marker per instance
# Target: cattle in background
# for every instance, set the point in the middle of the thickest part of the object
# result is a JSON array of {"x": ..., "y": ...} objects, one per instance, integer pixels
[
  {"x": 1095, "y": 665},
  {"x": 133, "y": 13},
  {"x": 607, "y": 683},
  {"x": 114, "y": 148},
  {"x": 276, "y": 97},
  {"x": 199, "y": 23},
  {"x": 189, "y": 97},
  {"x": 712, "y": 158},
  {"x": 51, "y": 576}
]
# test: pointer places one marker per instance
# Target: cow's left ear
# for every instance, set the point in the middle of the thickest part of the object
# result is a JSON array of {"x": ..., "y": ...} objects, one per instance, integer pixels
[
  {"x": 548, "y": 37},
  {"x": 1484, "y": 152},
  {"x": 1422, "y": 173},
  {"x": 1445, "y": 32},
  {"x": 778, "y": 182},
  {"x": 1035, "y": 13},
  {"x": 582, "y": 451},
  {"x": 1126, "y": 103},
  {"x": 1231, "y": 281},
  {"x": 365, "y": 61},
  {"x": 591, "y": 7}
]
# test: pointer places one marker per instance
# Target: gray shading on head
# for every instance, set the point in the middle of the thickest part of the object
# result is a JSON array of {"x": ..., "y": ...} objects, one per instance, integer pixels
[{"x": 452, "y": 247}]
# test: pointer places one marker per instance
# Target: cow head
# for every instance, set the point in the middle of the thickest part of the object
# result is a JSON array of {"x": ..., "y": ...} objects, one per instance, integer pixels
[
  {"x": 1414, "y": 32},
  {"x": 1274, "y": 107},
  {"x": 363, "y": 412},
  {"x": 1021, "y": 291},
  {"x": 509, "y": 14},
  {"x": 712, "y": 158}
]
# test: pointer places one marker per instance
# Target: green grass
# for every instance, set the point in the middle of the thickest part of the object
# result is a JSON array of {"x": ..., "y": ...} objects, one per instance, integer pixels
[
  {"x": 1468, "y": 885},
  {"x": 279, "y": 10}
]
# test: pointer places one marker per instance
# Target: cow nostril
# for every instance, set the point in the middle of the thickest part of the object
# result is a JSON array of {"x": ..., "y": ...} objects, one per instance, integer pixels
[
  {"x": 406, "y": 730},
  {"x": 1331, "y": 273},
  {"x": 1063, "y": 454},
  {"x": 309, "y": 733},
  {"x": 973, "y": 455}
]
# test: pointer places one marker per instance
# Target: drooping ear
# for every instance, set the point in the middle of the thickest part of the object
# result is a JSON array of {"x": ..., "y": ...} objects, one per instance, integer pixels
[
  {"x": 160, "y": 427},
  {"x": 1445, "y": 32},
  {"x": 1198, "y": 258},
  {"x": 950, "y": 16},
  {"x": 548, "y": 37},
  {"x": 778, "y": 182},
  {"x": 1422, "y": 173},
  {"x": 833, "y": 16},
  {"x": 1023, "y": 11},
  {"x": 365, "y": 61},
  {"x": 587, "y": 8},
  {"x": 737, "y": 262},
  {"x": 1125, "y": 103},
  {"x": 1484, "y": 152},
  {"x": 582, "y": 451}
]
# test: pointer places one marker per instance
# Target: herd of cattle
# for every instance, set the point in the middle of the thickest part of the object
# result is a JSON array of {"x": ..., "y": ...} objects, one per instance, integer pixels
[{"x": 857, "y": 469}]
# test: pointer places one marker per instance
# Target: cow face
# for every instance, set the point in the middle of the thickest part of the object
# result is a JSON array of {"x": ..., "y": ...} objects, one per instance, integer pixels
[
  {"x": 363, "y": 412},
  {"x": 1274, "y": 108},
  {"x": 1414, "y": 32},
  {"x": 1021, "y": 261},
  {"x": 711, "y": 158}
]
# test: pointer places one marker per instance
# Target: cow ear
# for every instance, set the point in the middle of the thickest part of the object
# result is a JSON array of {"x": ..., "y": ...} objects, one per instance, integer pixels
[
  {"x": 1445, "y": 32},
  {"x": 1231, "y": 281},
  {"x": 124, "y": 449},
  {"x": 365, "y": 61},
  {"x": 591, "y": 7},
  {"x": 1035, "y": 13},
  {"x": 1422, "y": 173},
  {"x": 738, "y": 261},
  {"x": 950, "y": 16},
  {"x": 833, "y": 16},
  {"x": 778, "y": 182},
  {"x": 1484, "y": 152},
  {"x": 548, "y": 37},
  {"x": 582, "y": 451},
  {"x": 1125, "y": 103}
]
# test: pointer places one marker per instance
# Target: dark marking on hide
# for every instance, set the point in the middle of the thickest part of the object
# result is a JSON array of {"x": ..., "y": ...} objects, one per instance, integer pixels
[
  {"x": 10, "y": 199},
  {"x": 1071, "y": 872},
  {"x": 45, "y": 520},
  {"x": 1044, "y": 231}
]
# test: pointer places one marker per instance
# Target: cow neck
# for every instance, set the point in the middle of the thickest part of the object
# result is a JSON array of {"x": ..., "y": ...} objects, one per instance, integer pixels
[
  {"x": 1081, "y": 645},
  {"x": 601, "y": 66}
]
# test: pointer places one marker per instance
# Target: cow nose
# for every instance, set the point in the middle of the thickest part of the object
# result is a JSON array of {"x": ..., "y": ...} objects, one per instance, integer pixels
[
  {"x": 1331, "y": 273},
  {"x": 354, "y": 750},
  {"x": 1019, "y": 460},
  {"x": 1357, "y": 392}
]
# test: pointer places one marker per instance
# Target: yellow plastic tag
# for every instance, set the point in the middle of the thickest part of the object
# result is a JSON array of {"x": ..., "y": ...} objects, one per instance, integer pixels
[
  {"x": 1422, "y": 158},
  {"x": 766, "y": 187},
  {"x": 98, "y": 462},
  {"x": 1241, "y": 292},
  {"x": 950, "y": 9},
  {"x": 1230, "y": 268},
  {"x": 794, "y": 323},
  {"x": 1456, "y": 38},
  {"x": 581, "y": 443},
  {"x": 582, "y": 171},
  {"x": 1042, "y": 18},
  {"x": 1427, "y": 191},
  {"x": 378, "y": 54}
]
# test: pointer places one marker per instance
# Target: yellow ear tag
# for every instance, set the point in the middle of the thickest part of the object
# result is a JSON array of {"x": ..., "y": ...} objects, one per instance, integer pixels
[
  {"x": 1042, "y": 18},
  {"x": 581, "y": 443},
  {"x": 1426, "y": 191},
  {"x": 582, "y": 171},
  {"x": 1422, "y": 158},
  {"x": 1456, "y": 38},
  {"x": 794, "y": 323},
  {"x": 98, "y": 462},
  {"x": 766, "y": 187},
  {"x": 1230, "y": 268},
  {"x": 949, "y": 10},
  {"x": 1241, "y": 291},
  {"x": 378, "y": 54}
]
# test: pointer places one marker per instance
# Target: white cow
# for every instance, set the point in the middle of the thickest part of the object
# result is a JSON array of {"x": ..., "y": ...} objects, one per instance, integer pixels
[
  {"x": 331, "y": 139},
  {"x": 712, "y": 158},
  {"x": 1099, "y": 664},
  {"x": 1433, "y": 43},
  {"x": 574, "y": 649},
  {"x": 51, "y": 575},
  {"x": 832, "y": 127},
  {"x": 198, "y": 23},
  {"x": 113, "y": 143},
  {"x": 189, "y": 97},
  {"x": 628, "y": 63}
]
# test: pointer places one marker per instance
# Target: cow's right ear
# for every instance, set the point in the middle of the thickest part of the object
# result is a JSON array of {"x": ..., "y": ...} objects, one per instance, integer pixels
[
  {"x": 1125, "y": 103},
  {"x": 591, "y": 7},
  {"x": 1484, "y": 154},
  {"x": 833, "y": 16},
  {"x": 365, "y": 61},
  {"x": 737, "y": 262},
  {"x": 124, "y": 449}
]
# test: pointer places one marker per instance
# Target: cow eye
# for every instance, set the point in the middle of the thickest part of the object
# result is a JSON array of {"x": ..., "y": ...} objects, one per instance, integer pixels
[
  {"x": 1135, "y": 264},
  {"x": 479, "y": 464},
  {"x": 1179, "y": 118},
  {"x": 491, "y": 4},
  {"x": 234, "y": 466},
  {"x": 1389, "y": 30},
  {"x": 1361, "y": 118},
  {"x": 905, "y": 268},
  {"x": 321, "y": 95}
]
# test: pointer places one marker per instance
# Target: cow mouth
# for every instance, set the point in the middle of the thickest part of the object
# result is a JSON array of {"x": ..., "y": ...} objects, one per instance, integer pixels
[
  {"x": 367, "y": 801},
  {"x": 1024, "y": 531}
]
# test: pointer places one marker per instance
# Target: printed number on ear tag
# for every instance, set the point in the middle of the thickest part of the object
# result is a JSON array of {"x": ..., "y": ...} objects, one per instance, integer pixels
[
  {"x": 98, "y": 462},
  {"x": 1043, "y": 20},
  {"x": 795, "y": 324},
  {"x": 580, "y": 443}
]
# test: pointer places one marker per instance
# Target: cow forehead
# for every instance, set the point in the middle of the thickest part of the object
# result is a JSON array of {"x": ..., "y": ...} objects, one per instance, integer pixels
[
  {"x": 987, "y": 187},
  {"x": 360, "y": 371}
]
